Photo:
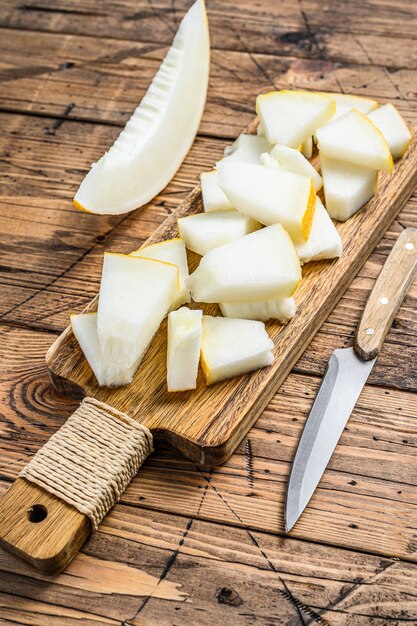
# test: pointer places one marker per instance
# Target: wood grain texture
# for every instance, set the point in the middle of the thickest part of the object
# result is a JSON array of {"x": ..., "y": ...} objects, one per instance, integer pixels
[
  {"x": 385, "y": 299},
  {"x": 207, "y": 425},
  {"x": 366, "y": 48},
  {"x": 165, "y": 569}
]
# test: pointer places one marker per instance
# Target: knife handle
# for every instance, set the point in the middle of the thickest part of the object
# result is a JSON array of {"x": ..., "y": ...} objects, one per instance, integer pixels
[{"x": 386, "y": 297}]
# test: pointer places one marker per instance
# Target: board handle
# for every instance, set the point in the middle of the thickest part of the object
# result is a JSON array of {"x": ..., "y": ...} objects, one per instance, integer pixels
[
  {"x": 386, "y": 297},
  {"x": 70, "y": 484}
]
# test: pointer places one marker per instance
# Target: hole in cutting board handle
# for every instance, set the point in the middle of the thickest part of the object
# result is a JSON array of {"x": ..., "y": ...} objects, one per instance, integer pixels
[{"x": 37, "y": 513}]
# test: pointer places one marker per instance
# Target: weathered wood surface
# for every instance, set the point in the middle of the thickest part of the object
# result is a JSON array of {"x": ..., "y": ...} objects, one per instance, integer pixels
[{"x": 367, "y": 48}]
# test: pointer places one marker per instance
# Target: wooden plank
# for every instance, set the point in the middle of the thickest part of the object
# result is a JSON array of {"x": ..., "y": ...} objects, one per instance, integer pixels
[
  {"x": 368, "y": 487},
  {"x": 63, "y": 68},
  {"x": 225, "y": 574},
  {"x": 288, "y": 28}
]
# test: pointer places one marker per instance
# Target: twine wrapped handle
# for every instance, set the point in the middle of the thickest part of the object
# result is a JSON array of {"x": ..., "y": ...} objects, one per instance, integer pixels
[{"x": 75, "y": 478}]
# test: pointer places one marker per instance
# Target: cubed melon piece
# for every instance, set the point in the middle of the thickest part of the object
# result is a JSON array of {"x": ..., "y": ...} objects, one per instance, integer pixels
[
  {"x": 203, "y": 232},
  {"x": 355, "y": 139},
  {"x": 389, "y": 121},
  {"x": 135, "y": 296},
  {"x": 271, "y": 196},
  {"x": 347, "y": 187},
  {"x": 183, "y": 353},
  {"x": 261, "y": 266},
  {"x": 291, "y": 117},
  {"x": 171, "y": 251},
  {"x": 281, "y": 309},
  {"x": 232, "y": 347},
  {"x": 324, "y": 241},
  {"x": 214, "y": 199}
]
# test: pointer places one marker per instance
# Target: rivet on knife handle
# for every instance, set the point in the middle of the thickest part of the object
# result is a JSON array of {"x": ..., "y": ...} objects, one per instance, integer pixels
[{"x": 387, "y": 295}]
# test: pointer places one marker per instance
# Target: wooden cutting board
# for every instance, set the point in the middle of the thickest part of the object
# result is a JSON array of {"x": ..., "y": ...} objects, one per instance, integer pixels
[{"x": 208, "y": 423}]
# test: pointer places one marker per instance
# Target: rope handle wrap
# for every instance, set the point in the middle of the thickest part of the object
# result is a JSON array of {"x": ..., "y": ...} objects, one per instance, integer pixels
[{"x": 91, "y": 459}]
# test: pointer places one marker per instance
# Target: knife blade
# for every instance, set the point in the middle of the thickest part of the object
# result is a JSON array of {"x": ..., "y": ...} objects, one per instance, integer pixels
[{"x": 347, "y": 372}]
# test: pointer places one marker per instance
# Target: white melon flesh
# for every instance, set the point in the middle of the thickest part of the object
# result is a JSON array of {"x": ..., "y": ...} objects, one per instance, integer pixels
[
  {"x": 246, "y": 149},
  {"x": 135, "y": 296},
  {"x": 184, "y": 343},
  {"x": 261, "y": 266},
  {"x": 270, "y": 196},
  {"x": 281, "y": 309},
  {"x": 84, "y": 327},
  {"x": 346, "y": 102},
  {"x": 205, "y": 231},
  {"x": 324, "y": 241},
  {"x": 291, "y": 117},
  {"x": 232, "y": 347},
  {"x": 389, "y": 121},
  {"x": 214, "y": 199},
  {"x": 355, "y": 139},
  {"x": 347, "y": 187},
  {"x": 160, "y": 132},
  {"x": 170, "y": 251},
  {"x": 307, "y": 148},
  {"x": 292, "y": 160}
]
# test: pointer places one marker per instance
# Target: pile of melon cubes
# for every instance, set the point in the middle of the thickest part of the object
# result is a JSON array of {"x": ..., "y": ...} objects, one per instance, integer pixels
[{"x": 262, "y": 220}]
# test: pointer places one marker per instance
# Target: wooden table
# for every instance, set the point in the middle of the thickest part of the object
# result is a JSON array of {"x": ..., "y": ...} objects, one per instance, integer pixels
[{"x": 187, "y": 546}]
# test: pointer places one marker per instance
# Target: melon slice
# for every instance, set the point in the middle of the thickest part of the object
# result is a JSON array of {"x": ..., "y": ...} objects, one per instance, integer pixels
[
  {"x": 214, "y": 199},
  {"x": 170, "y": 251},
  {"x": 347, "y": 187},
  {"x": 389, "y": 121},
  {"x": 205, "y": 231},
  {"x": 231, "y": 347},
  {"x": 324, "y": 241},
  {"x": 293, "y": 161},
  {"x": 246, "y": 149},
  {"x": 135, "y": 296},
  {"x": 270, "y": 196},
  {"x": 160, "y": 132},
  {"x": 346, "y": 102},
  {"x": 281, "y": 309},
  {"x": 291, "y": 117},
  {"x": 183, "y": 354},
  {"x": 84, "y": 327},
  {"x": 355, "y": 139},
  {"x": 261, "y": 266}
]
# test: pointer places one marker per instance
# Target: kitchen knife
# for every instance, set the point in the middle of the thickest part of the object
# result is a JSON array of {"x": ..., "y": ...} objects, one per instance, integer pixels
[{"x": 346, "y": 375}]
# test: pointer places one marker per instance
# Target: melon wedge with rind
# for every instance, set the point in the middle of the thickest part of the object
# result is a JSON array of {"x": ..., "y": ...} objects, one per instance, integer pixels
[
  {"x": 291, "y": 117},
  {"x": 214, "y": 199},
  {"x": 345, "y": 102},
  {"x": 394, "y": 129},
  {"x": 347, "y": 187},
  {"x": 183, "y": 352},
  {"x": 232, "y": 347},
  {"x": 281, "y": 309},
  {"x": 205, "y": 231},
  {"x": 261, "y": 266},
  {"x": 292, "y": 160},
  {"x": 135, "y": 296},
  {"x": 324, "y": 241},
  {"x": 270, "y": 196},
  {"x": 170, "y": 251},
  {"x": 156, "y": 139},
  {"x": 355, "y": 139}
]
